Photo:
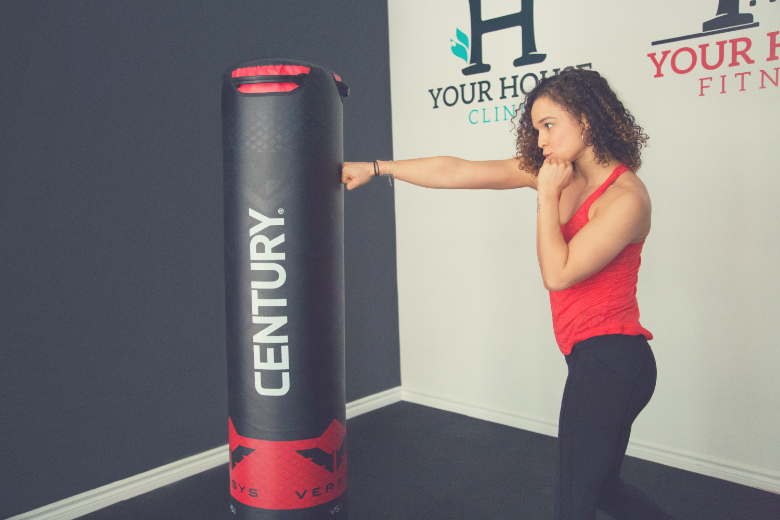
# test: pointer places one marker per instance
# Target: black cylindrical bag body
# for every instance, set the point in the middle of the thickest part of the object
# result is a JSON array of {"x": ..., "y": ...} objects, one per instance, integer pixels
[{"x": 284, "y": 290}]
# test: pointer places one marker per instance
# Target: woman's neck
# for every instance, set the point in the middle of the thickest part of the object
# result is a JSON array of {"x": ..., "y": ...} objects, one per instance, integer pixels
[{"x": 592, "y": 172}]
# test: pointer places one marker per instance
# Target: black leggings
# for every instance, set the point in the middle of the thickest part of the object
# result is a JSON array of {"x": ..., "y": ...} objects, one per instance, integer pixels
[{"x": 611, "y": 379}]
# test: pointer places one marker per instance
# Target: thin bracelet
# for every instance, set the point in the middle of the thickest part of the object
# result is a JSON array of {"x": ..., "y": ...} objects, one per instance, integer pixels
[{"x": 390, "y": 175}]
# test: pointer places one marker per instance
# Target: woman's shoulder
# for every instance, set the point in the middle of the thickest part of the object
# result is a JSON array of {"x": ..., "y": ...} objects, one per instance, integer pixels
[
  {"x": 627, "y": 188},
  {"x": 626, "y": 198}
]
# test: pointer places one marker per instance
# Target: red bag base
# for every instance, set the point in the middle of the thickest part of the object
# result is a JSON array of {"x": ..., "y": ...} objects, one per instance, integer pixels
[{"x": 288, "y": 474}]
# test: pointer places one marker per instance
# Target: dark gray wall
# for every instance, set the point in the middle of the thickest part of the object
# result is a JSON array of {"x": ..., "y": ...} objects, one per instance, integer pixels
[{"x": 112, "y": 341}]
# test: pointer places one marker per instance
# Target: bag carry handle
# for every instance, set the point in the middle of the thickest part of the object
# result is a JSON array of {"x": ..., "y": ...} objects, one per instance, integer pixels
[{"x": 298, "y": 79}]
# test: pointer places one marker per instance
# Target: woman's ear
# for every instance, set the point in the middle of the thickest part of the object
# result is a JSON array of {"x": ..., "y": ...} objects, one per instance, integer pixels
[
  {"x": 584, "y": 123},
  {"x": 585, "y": 127}
]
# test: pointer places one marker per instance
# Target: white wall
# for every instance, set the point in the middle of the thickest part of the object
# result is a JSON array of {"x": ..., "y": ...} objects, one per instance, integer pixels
[{"x": 476, "y": 332}]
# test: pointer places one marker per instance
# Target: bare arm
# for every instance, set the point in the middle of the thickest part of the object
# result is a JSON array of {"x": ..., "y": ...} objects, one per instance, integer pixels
[
  {"x": 625, "y": 219},
  {"x": 444, "y": 172}
]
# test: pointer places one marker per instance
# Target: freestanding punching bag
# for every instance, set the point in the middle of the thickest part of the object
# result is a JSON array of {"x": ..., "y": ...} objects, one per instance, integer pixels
[{"x": 284, "y": 290}]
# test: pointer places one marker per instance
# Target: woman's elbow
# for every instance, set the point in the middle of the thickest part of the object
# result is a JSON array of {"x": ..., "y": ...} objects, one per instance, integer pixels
[
  {"x": 553, "y": 284},
  {"x": 553, "y": 288}
]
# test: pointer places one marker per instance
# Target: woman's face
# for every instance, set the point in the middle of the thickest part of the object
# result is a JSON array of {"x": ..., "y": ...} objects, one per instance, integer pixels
[{"x": 560, "y": 135}]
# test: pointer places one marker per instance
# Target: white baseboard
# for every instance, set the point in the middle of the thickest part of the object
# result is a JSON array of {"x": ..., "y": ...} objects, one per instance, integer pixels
[
  {"x": 760, "y": 478},
  {"x": 479, "y": 412},
  {"x": 739, "y": 473},
  {"x": 374, "y": 402},
  {"x": 107, "y": 495}
]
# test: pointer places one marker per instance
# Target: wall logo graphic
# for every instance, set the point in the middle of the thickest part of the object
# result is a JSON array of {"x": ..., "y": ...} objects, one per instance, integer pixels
[
  {"x": 728, "y": 18},
  {"x": 469, "y": 49},
  {"x": 479, "y": 27},
  {"x": 461, "y": 50}
]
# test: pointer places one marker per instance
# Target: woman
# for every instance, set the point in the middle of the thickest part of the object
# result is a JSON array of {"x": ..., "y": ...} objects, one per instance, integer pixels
[{"x": 579, "y": 147}]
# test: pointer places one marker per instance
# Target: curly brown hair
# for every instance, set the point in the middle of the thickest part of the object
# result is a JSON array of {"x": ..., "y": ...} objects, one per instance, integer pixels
[{"x": 611, "y": 128}]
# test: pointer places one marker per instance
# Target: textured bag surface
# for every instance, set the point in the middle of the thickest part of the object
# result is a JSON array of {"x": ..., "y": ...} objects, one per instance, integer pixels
[{"x": 284, "y": 290}]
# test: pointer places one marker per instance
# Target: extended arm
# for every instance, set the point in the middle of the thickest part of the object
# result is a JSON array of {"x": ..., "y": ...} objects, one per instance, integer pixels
[{"x": 443, "y": 172}]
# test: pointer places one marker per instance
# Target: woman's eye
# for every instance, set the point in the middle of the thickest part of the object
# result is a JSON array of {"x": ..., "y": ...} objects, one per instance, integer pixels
[{"x": 548, "y": 125}]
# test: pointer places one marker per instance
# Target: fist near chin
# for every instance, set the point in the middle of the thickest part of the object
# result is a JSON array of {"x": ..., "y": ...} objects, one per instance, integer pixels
[{"x": 555, "y": 175}]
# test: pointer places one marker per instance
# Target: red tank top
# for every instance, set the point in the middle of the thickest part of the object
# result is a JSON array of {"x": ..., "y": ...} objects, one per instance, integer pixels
[{"x": 606, "y": 302}]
